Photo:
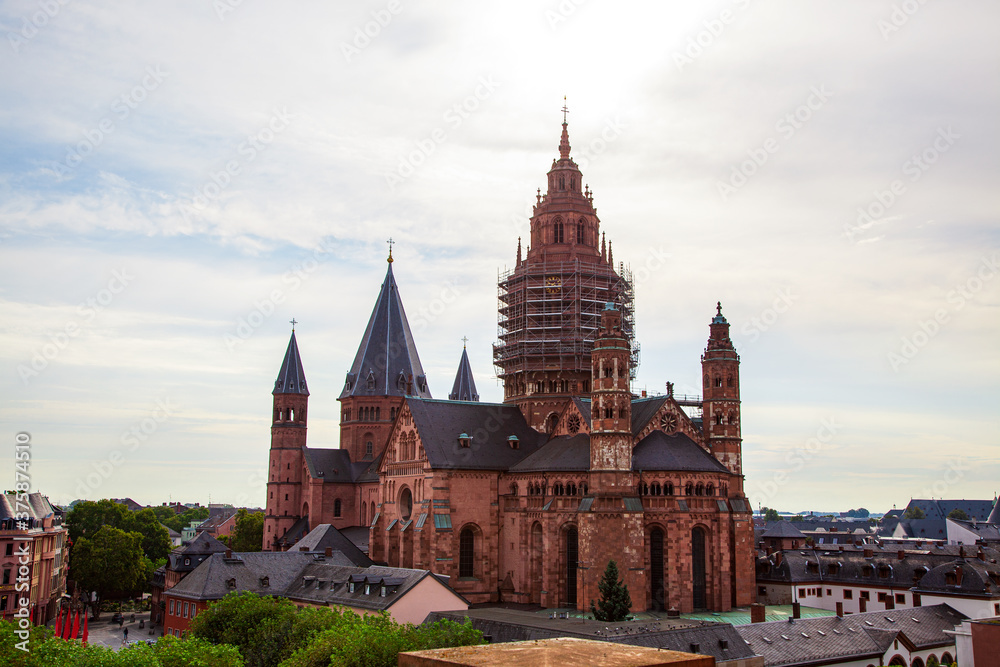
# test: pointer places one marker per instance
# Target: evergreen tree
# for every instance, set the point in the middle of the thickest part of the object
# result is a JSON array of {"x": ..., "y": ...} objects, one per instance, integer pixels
[{"x": 615, "y": 600}]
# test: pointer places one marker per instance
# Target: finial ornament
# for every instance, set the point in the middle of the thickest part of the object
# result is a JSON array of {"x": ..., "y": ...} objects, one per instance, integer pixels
[
  {"x": 718, "y": 307},
  {"x": 391, "y": 243},
  {"x": 565, "y": 109},
  {"x": 465, "y": 339},
  {"x": 293, "y": 323}
]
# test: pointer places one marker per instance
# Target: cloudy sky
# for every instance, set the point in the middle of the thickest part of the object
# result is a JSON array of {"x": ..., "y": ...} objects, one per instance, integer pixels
[{"x": 179, "y": 181}]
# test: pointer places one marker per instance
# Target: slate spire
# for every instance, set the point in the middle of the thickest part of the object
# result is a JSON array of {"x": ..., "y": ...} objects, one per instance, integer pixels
[
  {"x": 464, "y": 388},
  {"x": 387, "y": 363},
  {"x": 291, "y": 377}
]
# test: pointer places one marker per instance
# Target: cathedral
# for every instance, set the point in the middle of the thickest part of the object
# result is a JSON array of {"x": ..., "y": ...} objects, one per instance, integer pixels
[{"x": 527, "y": 500}]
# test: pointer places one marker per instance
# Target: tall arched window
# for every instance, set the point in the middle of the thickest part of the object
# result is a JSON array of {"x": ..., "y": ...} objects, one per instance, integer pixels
[
  {"x": 700, "y": 598},
  {"x": 557, "y": 232},
  {"x": 466, "y": 553},
  {"x": 656, "y": 567},
  {"x": 579, "y": 232},
  {"x": 336, "y": 508}
]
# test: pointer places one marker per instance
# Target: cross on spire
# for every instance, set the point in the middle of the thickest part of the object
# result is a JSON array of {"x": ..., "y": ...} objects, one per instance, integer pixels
[
  {"x": 465, "y": 339},
  {"x": 565, "y": 109},
  {"x": 391, "y": 243},
  {"x": 293, "y": 323}
]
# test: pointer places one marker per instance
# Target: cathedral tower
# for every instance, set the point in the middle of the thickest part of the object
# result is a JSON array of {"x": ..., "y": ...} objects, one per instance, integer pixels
[
  {"x": 386, "y": 369},
  {"x": 611, "y": 408},
  {"x": 288, "y": 439},
  {"x": 721, "y": 403},
  {"x": 464, "y": 388},
  {"x": 551, "y": 301}
]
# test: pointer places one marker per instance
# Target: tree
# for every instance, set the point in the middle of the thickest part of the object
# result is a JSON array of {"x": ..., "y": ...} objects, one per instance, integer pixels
[
  {"x": 914, "y": 512},
  {"x": 110, "y": 563},
  {"x": 155, "y": 538},
  {"x": 958, "y": 515},
  {"x": 771, "y": 514},
  {"x": 863, "y": 513},
  {"x": 615, "y": 601},
  {"x": 798, "y": 517},
  {"x": 167, "y": 516},
  {"x": 248, "y": 534},
  {"x": 88, "y": 516}
]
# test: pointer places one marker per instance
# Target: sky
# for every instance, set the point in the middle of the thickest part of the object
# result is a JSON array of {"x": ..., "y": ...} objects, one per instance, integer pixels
[{"x": 179, "y": 181}]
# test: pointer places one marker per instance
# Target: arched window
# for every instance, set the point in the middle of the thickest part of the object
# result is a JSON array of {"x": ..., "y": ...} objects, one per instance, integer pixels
[
  {"x": 579, "y": 232},
  {"x": 668, "y": 489},
  {"x": 730, "y": 382},
  {"x": 655, "y": 489},
  {"x": 718, "y": 380},
  {"x": 336, "y": 508},
  {"x": 709, "y": 490},
  {"x": 698, "y": 567},
  {"x": 377, "y": 411},
  {"x": 364, "y": 514},
  {"x": 699, "y": 490},
  {"x": 688, "y": 489},
  {"x": 557, "y": 232},
  {"x": 466, "y": 553},
  {"x": 562, "y": 182}
]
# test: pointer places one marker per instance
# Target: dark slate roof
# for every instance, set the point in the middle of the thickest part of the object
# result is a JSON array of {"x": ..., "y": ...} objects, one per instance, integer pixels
[
  {"x": 858, "y": 636},
  {"x": 659, "y": 451},
  {"x": 985, "y": 531},
  {"x": 643, "y": 410},
  {"x": 291, "y": 377},
  {"x": 387, "y": 357},
  {"x": 994, "y": 517},
  {"x": 37, "y": 506},
  {"x": 935, "y": 529},
  {"x": 975, "y": 575},
  {"x": 439, "y": 424},
  {"x": 464, "y": 388},
  {"x": 203, "y": 543},
  {"x": 782, "y": 529},
  {"x": 298, "y": 530},
  {"x": 359, "y": 536},
  {"x": 326, "y": 536},
  {"x": 851, "y": 567},
  {"x": 583, "y": 405},
  {"x": 209, "y": 580},
  {"x": 510, "y": 625},
  {"x": 565, "y": 453},
  {"x": 330, "y": 465},
  {"x": 301, "y": 576},
  {"x": 326, "y": 583},
  {"x": 939, "y": 509}
]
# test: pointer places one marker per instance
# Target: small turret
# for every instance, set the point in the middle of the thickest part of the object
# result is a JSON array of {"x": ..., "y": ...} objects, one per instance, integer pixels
[{"x": 464, "y": 388}]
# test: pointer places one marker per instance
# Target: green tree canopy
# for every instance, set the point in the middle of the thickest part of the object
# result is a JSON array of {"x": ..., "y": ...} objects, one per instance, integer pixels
[
  {"x": 615, "y": 601},
  {"x": 958, "y": 514},
  {"x": 89, "y": 516},
  {"x": 110, "y": 563},
  {"x": 155, "y": 538},
  {"x": 771, "y": 514},
  {"x": 248, "y": 534},
  {"x": 914, "y": 513}
]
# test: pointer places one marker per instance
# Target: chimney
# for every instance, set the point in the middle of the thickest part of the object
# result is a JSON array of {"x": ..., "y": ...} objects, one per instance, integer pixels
[
  {"x": 901, "y": 555},
  {"x": 303, "y": 548},
  {"x": 862, "y": 605},
  {"x": 961, "y": 551},
  {"x": 796, "y": 610},
  {"x": 981, "y": 555},
  {"x": 328, "y": 552},
  {"x": 840, "y": 610},
  {"x": 777, "y": 558},
  {"x": 229, "y": 553},
  {"x": 919, "y": 543},
  {"x": 958, "y": 575},
  {"x": 644, "y": 393},
  {"x": 757, "y": 613},
  {"x": 868, "y": 553},
  {"x": 770, "y": 551}
]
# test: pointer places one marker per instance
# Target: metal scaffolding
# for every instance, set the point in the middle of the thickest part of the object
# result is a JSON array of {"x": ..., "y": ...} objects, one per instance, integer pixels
[{"x": 550, "y": 313}]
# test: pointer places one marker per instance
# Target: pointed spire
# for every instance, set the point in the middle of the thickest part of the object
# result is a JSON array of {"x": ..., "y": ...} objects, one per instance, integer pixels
[
  {"x": 519, "y": 250},
  {"x": 464, "y": 388},
  {"x": 387, "y": 363},
  {"x": 291, "y": 377},
  {"x": 604, "y": 249},
  {"x": 611, "y": 255}
]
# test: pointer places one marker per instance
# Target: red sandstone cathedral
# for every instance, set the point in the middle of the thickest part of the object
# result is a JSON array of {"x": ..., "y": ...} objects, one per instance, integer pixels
[{"x": 527, "y": 500}]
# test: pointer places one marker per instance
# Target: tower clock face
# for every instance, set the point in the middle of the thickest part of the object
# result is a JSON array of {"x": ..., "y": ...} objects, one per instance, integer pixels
[
  {"x": 668, "y": 422},
  {"x": 573, "y": 423},
  {"x": 553, "y": 284}
]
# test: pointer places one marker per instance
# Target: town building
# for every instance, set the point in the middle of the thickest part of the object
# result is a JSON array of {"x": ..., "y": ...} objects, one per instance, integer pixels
[
  {"x": 856, "y": 579},
  {"x": 328, "y": 579},
  {"x": 528, "y": 500},
  {"x": 180, "y": 563},
  {"x": 911, "y": 638},
  {"x": 32, "y": 535}
]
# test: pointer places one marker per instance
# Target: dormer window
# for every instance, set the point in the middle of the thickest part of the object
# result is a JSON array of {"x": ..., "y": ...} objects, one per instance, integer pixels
[
  {"x": 401, "y": 382},
  {"x": 513, "y": 442},
  {"x": 382, "y": 593},
  {"x": 350, "y": 587},
  {"x": 265, "y": 582},
  {"x": 368, "y": 589},
  {"x": 231, "y": 583},
  {"x": 371, "y": 380},
  {"x": 464, "y": 440}
]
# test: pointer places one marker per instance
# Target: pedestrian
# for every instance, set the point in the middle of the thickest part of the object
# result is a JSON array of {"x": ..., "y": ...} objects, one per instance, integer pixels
[{"x": 126, "y": 634}]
